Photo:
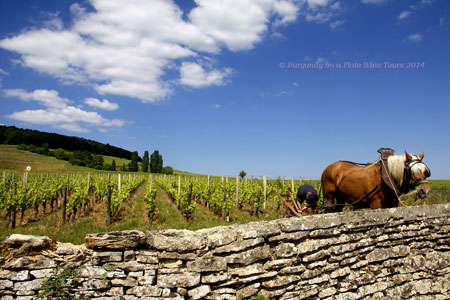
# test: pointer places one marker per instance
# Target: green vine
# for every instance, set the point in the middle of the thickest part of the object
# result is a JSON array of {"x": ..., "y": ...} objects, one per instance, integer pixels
[{"x": 60, "y": 285}]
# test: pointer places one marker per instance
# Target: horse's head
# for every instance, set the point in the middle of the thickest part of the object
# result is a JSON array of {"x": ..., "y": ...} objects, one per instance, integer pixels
[{"x": 416, "y": 174}]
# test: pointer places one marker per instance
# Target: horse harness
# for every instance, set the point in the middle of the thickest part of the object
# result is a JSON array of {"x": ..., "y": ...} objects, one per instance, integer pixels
[{"x": 386, "y": 177}]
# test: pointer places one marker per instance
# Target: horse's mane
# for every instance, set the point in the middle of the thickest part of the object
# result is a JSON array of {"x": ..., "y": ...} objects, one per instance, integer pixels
[{"x": 396, "y": 165}]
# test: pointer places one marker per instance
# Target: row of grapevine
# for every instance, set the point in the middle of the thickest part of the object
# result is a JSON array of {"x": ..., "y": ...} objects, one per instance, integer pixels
[
  {"x": 71, "y": 192},
  {"x": 222, "y": 195}
]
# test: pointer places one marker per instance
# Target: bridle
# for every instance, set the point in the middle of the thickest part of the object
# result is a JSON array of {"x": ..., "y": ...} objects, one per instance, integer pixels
[{"x": 412, "y": 184}]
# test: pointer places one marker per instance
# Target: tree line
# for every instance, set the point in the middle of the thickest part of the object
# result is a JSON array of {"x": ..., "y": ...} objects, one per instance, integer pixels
[
  {"x": 16, "y": 136},
  {"x": 153, "y": 164}
]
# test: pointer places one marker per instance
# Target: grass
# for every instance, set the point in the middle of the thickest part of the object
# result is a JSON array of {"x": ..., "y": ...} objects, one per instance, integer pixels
[
  {"x": 18, "y": 160},
  {"x": 119, "y": 161},
  {"x": 132, "y": 214}
]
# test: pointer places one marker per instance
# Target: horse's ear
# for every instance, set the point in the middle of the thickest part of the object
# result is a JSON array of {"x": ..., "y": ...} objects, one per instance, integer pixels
[
  {"x": 408, "y": 156},
  {"x": 421, "y": 155}
]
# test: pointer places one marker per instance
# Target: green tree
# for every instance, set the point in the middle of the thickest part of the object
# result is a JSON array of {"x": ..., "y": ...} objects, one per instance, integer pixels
[
  {"x": 167, "y": 170},
  {"x": 242, "y": 174},
  {"x": 113, "y": 165},
  {"x": 145, "y": 162},
  {"x": 61, "y": 154},
  {"x": 133, "y": 166},
  {"x": 156, "y": 162}
]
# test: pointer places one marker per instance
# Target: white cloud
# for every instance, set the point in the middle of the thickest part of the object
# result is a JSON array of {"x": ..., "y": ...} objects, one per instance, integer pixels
[
  {"x": 321, "y": 17},
  {"x": 194, "y": 75},
  {"x": 3, "y": 72},
  {"x": 377, "y": 2},
  {"x": 287, "y": 10},
  {"x": 404, "y": 14},
  {"x": 126, "y": 48},
  {"x": 57, "y": 112},
  {"x": 336, "y": 24},
  {"x": 48, "y": 98},
  {"x": 105, "y": 104},
  {"x": 415, "y": 38},
  {"x": 315, "y": 3}
]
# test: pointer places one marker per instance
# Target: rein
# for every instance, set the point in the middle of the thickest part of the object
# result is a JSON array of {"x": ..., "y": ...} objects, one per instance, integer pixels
[{"x": 408, "y": 170}]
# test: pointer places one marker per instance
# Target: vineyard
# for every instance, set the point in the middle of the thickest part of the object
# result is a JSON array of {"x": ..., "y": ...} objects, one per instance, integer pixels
[
  {"x": 58, "y": 203},
  {"x": 42, "y": 194}
]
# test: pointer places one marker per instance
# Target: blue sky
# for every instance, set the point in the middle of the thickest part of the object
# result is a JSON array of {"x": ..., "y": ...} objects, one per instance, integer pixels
[{"x": 273, "y": 87}]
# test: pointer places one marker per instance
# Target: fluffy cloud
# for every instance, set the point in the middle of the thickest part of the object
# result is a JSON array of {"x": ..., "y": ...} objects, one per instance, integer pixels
[
  {"x": 378, "y": 2},
  {"x": 57, "y": 112},
  {"x": 404, "y": 14},
  {"x": 336, "y": 24},
  {"x": 415, "y": 38},
  {"x": 105, "y": 104},
  {"x": 194, "y": 75},
  {"x": 48, "y": 98},
  {"x": 127, "y": 48}
]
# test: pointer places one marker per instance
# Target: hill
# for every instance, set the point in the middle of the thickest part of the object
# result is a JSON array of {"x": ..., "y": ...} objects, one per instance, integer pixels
[
  {"x": 13, "y": 159},
  {"x": 16, "y": 136}
]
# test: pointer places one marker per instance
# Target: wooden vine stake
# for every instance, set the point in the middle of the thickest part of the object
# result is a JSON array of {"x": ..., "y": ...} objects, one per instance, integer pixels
[
  {"x": 265, "y": 190},
  {"x": 237, "y": 192},
  {"x": 108, "y": 207}
]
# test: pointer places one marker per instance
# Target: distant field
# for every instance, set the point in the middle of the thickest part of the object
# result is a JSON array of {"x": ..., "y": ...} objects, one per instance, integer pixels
[
  {"x": 13, "y": 159},
  {"x": 18, "y": 160},
  {"x": 119, "y": 161}
]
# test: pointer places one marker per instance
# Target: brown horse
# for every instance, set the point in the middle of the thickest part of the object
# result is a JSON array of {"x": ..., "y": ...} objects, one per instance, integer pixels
[{"x": 362, "y": 187}]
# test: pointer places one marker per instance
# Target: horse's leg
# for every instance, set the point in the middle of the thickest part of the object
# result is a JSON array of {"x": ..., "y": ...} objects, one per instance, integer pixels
[
  {"x": 376, "y": 203},
  {"x": 330, "y": 200},
  {"x": 340, "y": 203}
]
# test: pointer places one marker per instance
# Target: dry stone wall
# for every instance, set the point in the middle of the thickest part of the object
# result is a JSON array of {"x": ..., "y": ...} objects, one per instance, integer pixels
[{"x": 399, "y": 253}]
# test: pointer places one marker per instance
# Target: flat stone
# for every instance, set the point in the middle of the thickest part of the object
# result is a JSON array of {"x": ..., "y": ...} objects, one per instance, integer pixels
[
  {"x": 42, "y": 273},
  {"x": 128, "y": 282},
  {"x": 199, "y": 292},
  {"x": 33, "y": 285},
  {"x": 381, "y": 254},
  {"x": 147, "y": 257},
  {"x": 279, "y": 263},
  {"x": 146, "y": 280},
  {"x": 188, "y": 279},
  {"x": 175, "y": 240},
  {"x": 110, "y": 256},
  {"x": 284, "y": 250},
  {"x": 145, "y": 290},
  {"x": 37, "y": 242},
  {"x": 327, "y": 292},
  {"x": 96, "y": 284},
  {"x": 92, "y": 272},
  {"x": 293, "y": 236},
  {"x": 247, "y": 271},
  {"x": 219, "y": 236},
  {"x": 250, "y": 256},
  {"x": 30, "y": 263},
  {"x": 21, "y": 276},
  {"x": 281, "y": 281},
  {"x": 5, "y": 284},
  {"x": 216, "y": 277},
  {"x": 115, "y": 291},
  {"x": 238, "y": 246},
  {"x": 250, "y": 290},
  {"x": 208, "y": 264},
  {"x": 129, "y": 255},
  {"x": 116, "y": 240}
]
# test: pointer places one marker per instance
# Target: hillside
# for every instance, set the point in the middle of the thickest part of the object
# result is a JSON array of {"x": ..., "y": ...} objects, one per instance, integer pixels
[
  {"x": 13, "y": 159},
  {"x": 15, "y": 136}
]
